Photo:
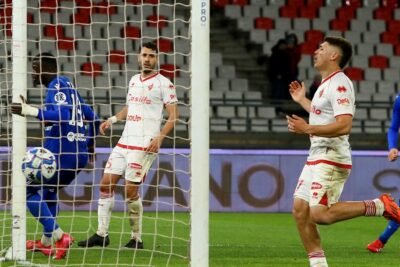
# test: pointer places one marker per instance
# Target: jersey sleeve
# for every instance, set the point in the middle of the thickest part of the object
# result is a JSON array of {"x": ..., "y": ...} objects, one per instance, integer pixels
[
  {"x": 342, "y": 97},
  {"x": 393, "y": 131},
  {"x": 168, "y": 93}
]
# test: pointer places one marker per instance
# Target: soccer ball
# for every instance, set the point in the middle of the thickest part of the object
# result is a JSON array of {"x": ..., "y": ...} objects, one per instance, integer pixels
[{"x": 38, "y": 165}]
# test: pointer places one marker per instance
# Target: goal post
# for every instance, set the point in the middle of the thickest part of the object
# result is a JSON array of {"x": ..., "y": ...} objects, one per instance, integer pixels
[
  {"x": 199, "y": 135},
  {"x": 19, "y": 83}
]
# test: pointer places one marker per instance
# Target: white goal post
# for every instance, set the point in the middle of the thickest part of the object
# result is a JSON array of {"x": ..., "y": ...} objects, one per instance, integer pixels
[{"x": 197, "y": 93}]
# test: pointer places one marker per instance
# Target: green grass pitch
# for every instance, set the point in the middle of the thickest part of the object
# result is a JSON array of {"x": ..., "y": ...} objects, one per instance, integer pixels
[{"x": 236, "y": 239}]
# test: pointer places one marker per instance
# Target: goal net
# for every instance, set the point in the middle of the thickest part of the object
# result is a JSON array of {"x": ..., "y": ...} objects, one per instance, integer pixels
[{"x": 96, "y": 44}]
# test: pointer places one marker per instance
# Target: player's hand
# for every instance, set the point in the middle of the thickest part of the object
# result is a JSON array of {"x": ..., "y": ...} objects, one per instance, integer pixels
[
  {"x": 24, "y": 109},
  {"x": 297, "y": 90},
  {"x": 393, "y": 154},
  {"x": 154, "y": 145},
  {"x": 297, "y": 124},
  {"x": 104, "y": 126}
]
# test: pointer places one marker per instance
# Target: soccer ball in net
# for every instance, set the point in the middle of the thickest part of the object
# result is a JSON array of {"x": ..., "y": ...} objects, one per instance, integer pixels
[{"x": 38, "y": 164}]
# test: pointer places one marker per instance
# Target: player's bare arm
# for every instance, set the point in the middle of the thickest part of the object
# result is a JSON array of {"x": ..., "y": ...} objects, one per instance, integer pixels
[
  {"x": 24, "y": 109},
  {"x": 341, "y": 126},
  {"x": 121, "y": 115},
  {"x": 393, "y": 154},
  {"x": 298, "y": 93},
  {"x": 172, "y": 110}
]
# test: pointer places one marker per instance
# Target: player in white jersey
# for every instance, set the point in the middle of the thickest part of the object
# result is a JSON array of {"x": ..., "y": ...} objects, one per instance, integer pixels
[
  {"x": 329, "y": 162},
  {"x": 149, "y": 92}
]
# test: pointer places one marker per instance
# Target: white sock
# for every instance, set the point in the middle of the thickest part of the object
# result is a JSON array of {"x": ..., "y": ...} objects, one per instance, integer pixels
[
  {"x": 317, "y": 259},
  {"x": 135, "y": 209},
  {"x": 380, "y": 207},
  {"x": 104, "y": 210},
  {"x": 57, "y": 234},
  {"x": 46, "y": 241}
]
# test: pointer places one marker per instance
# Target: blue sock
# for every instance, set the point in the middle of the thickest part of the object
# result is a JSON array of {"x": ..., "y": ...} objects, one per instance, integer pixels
[
  {"x": 391, "y": 228},
  {"x": 51, "y": 198},
  {"x": 41, "y": 211}
]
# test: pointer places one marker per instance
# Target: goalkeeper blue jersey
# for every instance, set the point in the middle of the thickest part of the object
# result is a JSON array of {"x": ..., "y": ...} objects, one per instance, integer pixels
[
  {"x": 65, "y": 115},
  {"x": 393, "y": 132}
]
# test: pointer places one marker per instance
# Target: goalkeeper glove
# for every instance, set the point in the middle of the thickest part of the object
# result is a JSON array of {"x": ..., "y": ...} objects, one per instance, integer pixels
[{"x": 24, "y": 109}]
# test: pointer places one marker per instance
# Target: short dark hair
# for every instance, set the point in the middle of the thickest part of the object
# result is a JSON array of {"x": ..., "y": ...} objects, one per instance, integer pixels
[
  {"x": 149, "y": 45},
  {"x": 344, "y": 46},
  {"x": 48, "y": 62}
]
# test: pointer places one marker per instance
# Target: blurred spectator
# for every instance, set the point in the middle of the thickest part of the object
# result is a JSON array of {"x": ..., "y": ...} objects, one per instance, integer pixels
[
  {"x": 294, "y": 51},
  {"x": 279, "y": 70}
]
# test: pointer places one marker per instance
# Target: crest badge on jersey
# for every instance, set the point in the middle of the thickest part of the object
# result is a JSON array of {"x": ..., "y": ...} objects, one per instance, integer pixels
[
  {"x": 341, "y": 89},
  {"x": 60, "y": 98},
  {"x": 151, "y": 86}
]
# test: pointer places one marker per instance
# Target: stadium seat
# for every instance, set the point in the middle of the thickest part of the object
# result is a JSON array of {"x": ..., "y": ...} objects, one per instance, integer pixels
[
  {"x": 258, "y": 36},
  {"x": 238, "y": 125},
  {"x": 251, "y": 11},
  {"x": 217, "y": 97},
  {"x": 389, "y": 38},
  {"x": 240, "y": 2},
  {"x": 165, "y": 45},
  {"x": 80, "y": 19},
  {"x": 66, "y": 43},
  {"x": 55, "y": 31},
  {"x": 308, "y": 48},
  {"x": 157, "y": 21},
  {"x": 131, "y": 32},
  {"x": 314, "y": 36},
  {"x": 233, "y": 97},
  {"x": 383, "y": 13},
  {"x": 104, "y": 7},
  {"x": 220, "y": 84},
  {"x": 288, "y": 11},
  {"x": 219, "y": 125},
  {"x": 390, "y": 3},
  {"x": 226, "y": 112},
  {"x": 260, "y": 125},
  {"x": 372, "y": 74},
  {"x": 233, "y": 12},
  {"x": 345, "y": 13},
  {"x": 264, "y": 23},
  {"x": 91, "y": 69},
  {"x": 49, "y": 6},
  {"x": 117, "y": 57},
  {"x": 391, "y": 74},
  {"x": 308, "y": 12},
  {"x": 169, "y": 70},
  {"x": 378, "y": 113},
  {"x": 266, "y": 112},
  {"x": 393, "y": 26},
  {"x": 246, "y": 112},
  {"x": 239, "y": 84},
  {"x": 396, "y": 50},
  {"x": 339, "y": 25},
  {"x": 355, "y": 74},
  {"x": 378, "y": 61},
  {"x": 226, "y": 71},
  {"x": 353, "y": 3},
  {"x": 368, "y": 87},
  {"x": 220, "y": 3}
]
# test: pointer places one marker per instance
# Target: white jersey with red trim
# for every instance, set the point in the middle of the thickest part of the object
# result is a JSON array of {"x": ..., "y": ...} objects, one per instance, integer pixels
[
  {"x": 145, "y": 100},
  {"x": 334, "y": 97}
]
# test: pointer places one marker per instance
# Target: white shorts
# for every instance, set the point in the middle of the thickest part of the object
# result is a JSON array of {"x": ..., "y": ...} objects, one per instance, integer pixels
[
  {"x": 129, "y": 162},
  {"x": 321, "y": 184}
]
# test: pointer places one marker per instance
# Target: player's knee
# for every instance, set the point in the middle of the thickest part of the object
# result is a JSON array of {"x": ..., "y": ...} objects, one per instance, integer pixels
[{"x": 299, "y": 214}]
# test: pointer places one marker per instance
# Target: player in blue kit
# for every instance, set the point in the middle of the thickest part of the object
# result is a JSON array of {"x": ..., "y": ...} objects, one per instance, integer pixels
[
  {"x": 65, "y": 115},
  {"x": 393, "y": 138}
]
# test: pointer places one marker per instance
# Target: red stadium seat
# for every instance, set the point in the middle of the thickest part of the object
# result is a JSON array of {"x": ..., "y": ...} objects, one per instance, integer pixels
[
  {"x": 377, "y": 61},
  {"x": 390, "y": 3},
  {"x": 165, "y": 45},
  {"x": 390, "y": 38},
  {"x": 105, "y": 8},
  {"x": 339, "y": 25},
  {"x": 48, "y": 6},
  {"x": 296, "y": 3},
  {"x": 288, "y": 11},
  {"x": 355, "y": 74},
  {"x": 314, "y": 36},
  {"x": 91, "y": 69},
  {"x": 130, "y": 32},
  {"x": 80, "y": 18},
  {"x": 240, "y": 2},
  {"x": 383, "y": 13},
  {"x": 56, "y": 31},
  {"x": 66, "y": 43},
  {"x": 29, "y": 18},
  {"x": 396, "y": 49},
  {"x": 353, "y": 3},
  {"x": 315, "y": 3},
  {"x": 264, "y": 23},
  {"x": 393, "y": 26},
  {"x": 308, "y": 48},
  {"x": 169, "y": 71},
  {"x": 220, "y": 3},
  {"x": 309, "y": 12},
  {"x": 345, "y": 13},
  {"x": 117, "y": 57},
  {"x": 157, "y": 21}
]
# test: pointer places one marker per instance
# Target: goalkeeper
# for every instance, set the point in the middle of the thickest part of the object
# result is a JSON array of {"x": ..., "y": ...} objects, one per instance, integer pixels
[
  {"x": 64, "y": 115},
  {"x": 148, "y": 93},
  {"x": 392, "y": 137}
]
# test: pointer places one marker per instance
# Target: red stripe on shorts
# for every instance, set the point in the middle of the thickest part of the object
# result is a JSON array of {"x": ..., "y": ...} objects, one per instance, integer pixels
[{"x": 340, "y": 165}]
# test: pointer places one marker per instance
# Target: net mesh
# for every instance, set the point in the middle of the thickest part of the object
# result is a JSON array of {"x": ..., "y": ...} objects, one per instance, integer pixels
[{"x": 96, "y": 44}]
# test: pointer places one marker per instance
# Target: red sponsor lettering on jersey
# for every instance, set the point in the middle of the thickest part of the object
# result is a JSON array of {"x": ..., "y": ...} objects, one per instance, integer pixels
[
  {"x": 134, "y": 165},
  {"x": 172, "y": 96},
  {"x": 341, "y": 89},
  {"x": 139, "y": 99},
  {"x": 315, "y": 110},
  {"x": 343, "y": 101},
  {"x": 133, "y": 118},
  {"x": 316, "y": 185}
]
